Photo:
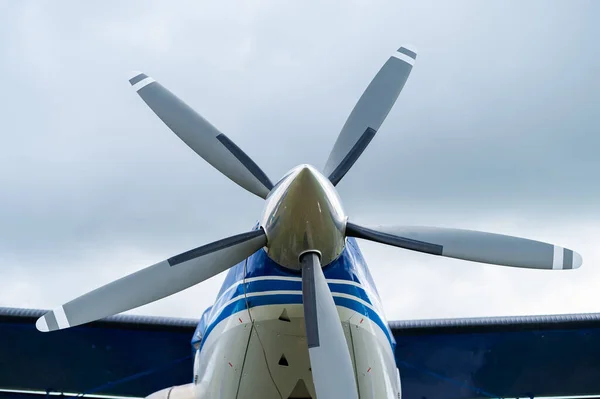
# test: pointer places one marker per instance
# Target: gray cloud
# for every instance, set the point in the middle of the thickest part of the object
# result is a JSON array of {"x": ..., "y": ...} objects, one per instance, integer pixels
[{"x": 497, "y": 123}]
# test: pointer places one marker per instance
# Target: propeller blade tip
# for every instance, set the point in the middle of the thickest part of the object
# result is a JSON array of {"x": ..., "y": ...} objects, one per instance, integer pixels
[
  {"x": 577, "y": 260},
  {"x": 408, "y": 50},
  {"x": 41, "y": 324},
  {"x": 410, "y": 47},
  {"x": 138, "y": 80},
  {"x": 406, "y": 54},
  {"x": 133, "y": 74}
]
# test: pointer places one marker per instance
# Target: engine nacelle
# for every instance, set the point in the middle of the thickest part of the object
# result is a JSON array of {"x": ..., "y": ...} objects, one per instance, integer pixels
[{"x": 179, "y": 392}]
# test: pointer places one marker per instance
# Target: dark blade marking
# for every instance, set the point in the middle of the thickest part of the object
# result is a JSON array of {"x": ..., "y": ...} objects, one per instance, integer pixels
[
  {"x": 354, "y": 230},
  {"x": 567, "y": 259},
  {"x": 138, "y": 78},
  {"x": 214, "y": 246},
  {"x": 246, "y": 161},
  {"x": 51, "y": 321},
  {"x": 406, "y": 51},
  {"x": 309, "y": 298},
  {"x": 352, "y": 156}
]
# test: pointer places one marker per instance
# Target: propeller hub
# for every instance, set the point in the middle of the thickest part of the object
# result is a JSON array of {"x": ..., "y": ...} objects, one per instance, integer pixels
[{"x": 303, "y": 213}]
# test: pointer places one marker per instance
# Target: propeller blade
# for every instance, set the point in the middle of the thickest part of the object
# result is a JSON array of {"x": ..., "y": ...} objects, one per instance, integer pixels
[
  {"x": 202, "y": 137},
  {"x": 369, "y": 113},
  {"x": 333, "y": 373},
  {"x": 154, "y": 282},
  {"x": 476, "y": 246}
]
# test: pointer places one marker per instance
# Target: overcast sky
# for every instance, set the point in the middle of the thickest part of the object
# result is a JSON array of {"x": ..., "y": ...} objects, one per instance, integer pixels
[{"x": 496, "y": 129}]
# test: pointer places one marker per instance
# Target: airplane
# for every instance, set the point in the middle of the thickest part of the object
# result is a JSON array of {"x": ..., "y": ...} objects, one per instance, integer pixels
[{"x": 298, "y": 314}]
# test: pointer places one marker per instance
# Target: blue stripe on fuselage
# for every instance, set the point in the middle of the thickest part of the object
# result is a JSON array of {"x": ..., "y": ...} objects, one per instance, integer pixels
[
  {"x": 285, "y": 285},
  {"x": 285, "y": 299},
  {"x": 350, "y": 266}
]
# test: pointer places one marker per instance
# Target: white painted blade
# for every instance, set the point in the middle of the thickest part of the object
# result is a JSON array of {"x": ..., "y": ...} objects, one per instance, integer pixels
[
  {"x": 202, "y": 137},
  {"x": 154, "y": 282},
  {"x": 332, "y": 370},
  {"x": 369, "y": 113},
  {"x": 476, "y": 246}
]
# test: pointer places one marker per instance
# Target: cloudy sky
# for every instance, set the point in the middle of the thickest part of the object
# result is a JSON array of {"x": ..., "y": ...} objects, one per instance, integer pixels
[{"x": 496, "y": 129}]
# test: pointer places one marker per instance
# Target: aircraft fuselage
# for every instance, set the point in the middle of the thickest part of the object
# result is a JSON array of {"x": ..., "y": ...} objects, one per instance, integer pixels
[{"x": 252, "y": 342}]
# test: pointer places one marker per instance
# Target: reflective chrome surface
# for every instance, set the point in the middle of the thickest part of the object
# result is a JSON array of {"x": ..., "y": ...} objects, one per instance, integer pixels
[{"x": 303, "y": 212}]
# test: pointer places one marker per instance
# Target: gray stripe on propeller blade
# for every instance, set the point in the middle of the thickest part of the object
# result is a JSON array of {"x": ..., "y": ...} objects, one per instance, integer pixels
[
  {"x": 138, "y": 78},
  {"x": 406, "y": 51},
  {"x": 51, "y": 321},
  {"x": 369, "y": 112},
  {"x": 203, "y": 138},
  {"x": 309, "y": 262},
  {"x": 567, "y": 259},
  {"x": 365, "y": 233},
  {"x": 155, "y": 282},
  {"x": 352, "y": 156},
  {"x": 246, "y": 161},
  {"x": 214, "y": 246},
  {"x": 332, "y": 369},
  {"x": 477, "y": 246}
]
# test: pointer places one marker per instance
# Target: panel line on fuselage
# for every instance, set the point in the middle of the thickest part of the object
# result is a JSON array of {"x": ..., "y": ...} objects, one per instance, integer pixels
[
  {"x": 260, "y": 282},
  {"x": 292, "y": 298},
  {"x": 287, "y": 292}
]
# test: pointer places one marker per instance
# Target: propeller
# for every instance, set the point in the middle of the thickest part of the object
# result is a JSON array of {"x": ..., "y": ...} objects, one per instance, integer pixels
[
  {"x": 369, "y": 113},
  {"x": 476, "y": 246},
  {"x": 333, "y": 373},
  {"x": 303, "y": 225},
  {"x": 202, "y": 137},
  {"x": 155, "y": 282}
]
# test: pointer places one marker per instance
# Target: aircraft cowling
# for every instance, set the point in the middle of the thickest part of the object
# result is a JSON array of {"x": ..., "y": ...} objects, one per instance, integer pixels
[{"x": 178, "y": 392}]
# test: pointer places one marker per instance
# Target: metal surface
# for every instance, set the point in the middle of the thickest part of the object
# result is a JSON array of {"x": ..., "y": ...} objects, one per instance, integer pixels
[
  {"x": 476, "y": 246},
  {"x": 303, "y": 212},
  {"x": 202, "y": 137},
  {"x": 369, "y": 113},
  {"x": 352, "y": 156},
  {"x": 215, "y": 246},
  {"x": 309, "y": 298},
  {"x": 331, "y": 364},
  {"x": 354, "y": 230},
  {"x": 153, "y": 283}
]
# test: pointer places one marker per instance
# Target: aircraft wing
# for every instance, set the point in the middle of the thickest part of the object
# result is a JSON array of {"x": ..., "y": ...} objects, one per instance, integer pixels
[
  {"x": 134, "y": 356},
  {"x": 499, "y": 357},
  {"x": 122, "y": 355}
]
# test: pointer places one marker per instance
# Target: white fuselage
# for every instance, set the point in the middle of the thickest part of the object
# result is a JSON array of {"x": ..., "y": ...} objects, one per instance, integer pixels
[{"x": 257, "y": 353}]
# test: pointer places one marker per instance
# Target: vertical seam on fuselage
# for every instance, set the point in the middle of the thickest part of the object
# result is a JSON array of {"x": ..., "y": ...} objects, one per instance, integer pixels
[
  {"x": 353, "y": 356},
  {"x": 237, "y": 392},
  {"x": 253, "y": 329}
]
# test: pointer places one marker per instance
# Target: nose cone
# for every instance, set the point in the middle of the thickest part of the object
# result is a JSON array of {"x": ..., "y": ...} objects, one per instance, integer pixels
[
  {"x": 306, "y": 176},
  {"x": 303, "y": 212},
  {"x": 307, "y": 184}
]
